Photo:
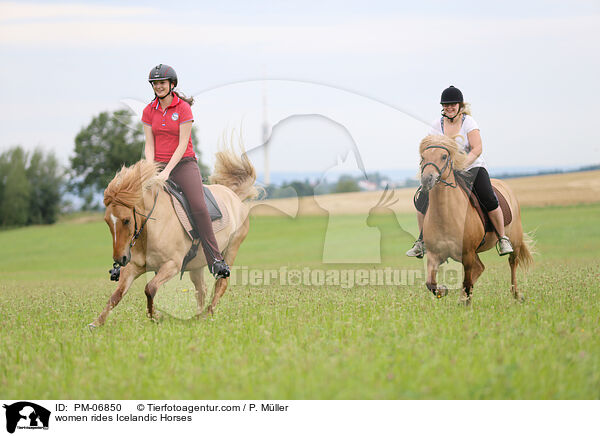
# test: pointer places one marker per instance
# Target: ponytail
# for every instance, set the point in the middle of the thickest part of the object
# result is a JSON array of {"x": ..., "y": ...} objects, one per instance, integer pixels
[
  {"x": 464, "y": 108},
  {"x": 188, "y": 100}
]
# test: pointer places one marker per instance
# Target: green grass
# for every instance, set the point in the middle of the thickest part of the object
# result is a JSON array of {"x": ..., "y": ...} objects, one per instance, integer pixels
[{"x": 296, "y": 342}]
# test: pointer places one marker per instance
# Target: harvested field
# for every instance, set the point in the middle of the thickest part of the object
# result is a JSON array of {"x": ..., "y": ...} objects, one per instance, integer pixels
[{"x": 548, "y": 190}]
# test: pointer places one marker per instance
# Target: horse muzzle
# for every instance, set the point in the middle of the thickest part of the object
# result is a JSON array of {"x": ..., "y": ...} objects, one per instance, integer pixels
[
  {"x": 122, "y": 260},
  {"x": 428, "y": 181}
]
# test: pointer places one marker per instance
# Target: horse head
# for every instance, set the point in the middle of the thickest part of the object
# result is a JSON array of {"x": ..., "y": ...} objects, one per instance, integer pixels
[
  {"x": 440, "y": 156},
  {"x": 120, "y": 220},
  {"x": 121, "y": 197}
]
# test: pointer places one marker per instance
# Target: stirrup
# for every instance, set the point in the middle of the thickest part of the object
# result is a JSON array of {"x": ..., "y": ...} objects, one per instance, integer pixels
[
  {"x": 499, "y": 243},
  {"x": 413, "y": 251},
  {"x": 220, "y": 270}
]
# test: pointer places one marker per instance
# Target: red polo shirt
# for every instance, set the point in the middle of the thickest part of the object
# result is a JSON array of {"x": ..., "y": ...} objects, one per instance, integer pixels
[{"x": 165, "y": 127}]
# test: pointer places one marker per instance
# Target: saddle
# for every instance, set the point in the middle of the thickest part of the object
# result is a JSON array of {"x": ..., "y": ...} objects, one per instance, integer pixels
[
  {"x": 485, "y": 219},
  {"x": 184, "y": 213}
]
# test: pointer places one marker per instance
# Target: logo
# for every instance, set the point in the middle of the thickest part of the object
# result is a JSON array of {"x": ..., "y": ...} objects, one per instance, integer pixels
[
  {"x": 175, "y": 116},
  {"x": 26, "y": 415}
]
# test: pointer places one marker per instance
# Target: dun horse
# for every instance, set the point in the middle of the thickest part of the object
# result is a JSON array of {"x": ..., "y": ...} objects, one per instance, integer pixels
[
  {"x": 162, "y": 244},
  {"x": 452, "y": 227}
]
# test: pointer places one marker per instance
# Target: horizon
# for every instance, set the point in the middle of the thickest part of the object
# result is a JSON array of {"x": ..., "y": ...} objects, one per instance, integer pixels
[{"x": 339, "y": 74}]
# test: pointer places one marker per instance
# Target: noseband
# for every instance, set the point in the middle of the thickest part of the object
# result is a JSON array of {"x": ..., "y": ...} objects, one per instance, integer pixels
[{"x": 443, "y": 169}]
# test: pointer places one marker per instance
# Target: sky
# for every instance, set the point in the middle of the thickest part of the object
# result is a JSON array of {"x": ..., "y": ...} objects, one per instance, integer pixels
[{"x": 338, "y": 76}]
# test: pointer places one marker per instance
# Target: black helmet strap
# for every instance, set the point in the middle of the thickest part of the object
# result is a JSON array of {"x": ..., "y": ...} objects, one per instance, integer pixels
[
  {"x": 450, "y": 118},
  {"x": 170, "y": 90}
]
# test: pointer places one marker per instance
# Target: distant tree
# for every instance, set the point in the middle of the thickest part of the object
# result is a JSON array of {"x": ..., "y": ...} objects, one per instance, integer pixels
[
  {"x": 204, "y": 170},
  {"x": 4, "y": 167},
  {"x": 102, "y": 148},
  {"x": 90, "y": 201},
  {"x": 30, "y": 187},
  {"x": 46, "y": 178},
  {"x": 303, "y": 189},
  {"x": 346, "y": 184},
  {"x": 110, "y": 141},
  {"x": 16, "y": 190}
]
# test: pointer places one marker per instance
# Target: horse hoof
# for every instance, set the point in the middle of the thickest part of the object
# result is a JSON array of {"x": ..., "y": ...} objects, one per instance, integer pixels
[
  {"x": 202, "y": 315},
  {"x": 441, "y": 291}
]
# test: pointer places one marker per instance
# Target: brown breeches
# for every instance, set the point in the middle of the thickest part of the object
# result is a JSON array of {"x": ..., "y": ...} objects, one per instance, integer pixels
[{"x": 187, "y": 175}]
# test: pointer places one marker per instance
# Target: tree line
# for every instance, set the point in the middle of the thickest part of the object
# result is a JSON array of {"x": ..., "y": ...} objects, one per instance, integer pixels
[
  {"x": 34, "y": 185},
  {"x": 30, "y": 187}
]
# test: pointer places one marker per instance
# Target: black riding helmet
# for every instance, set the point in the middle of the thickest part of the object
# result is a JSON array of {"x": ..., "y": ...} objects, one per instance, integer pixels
[
  {"x": 451, "y": 95},
  {"x": 163, "y": 72}
]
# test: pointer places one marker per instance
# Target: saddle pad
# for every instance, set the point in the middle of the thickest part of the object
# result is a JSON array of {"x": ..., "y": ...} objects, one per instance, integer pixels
[
  {"x": 218, "y": 223},
  {"x": 504, "y": 207},
  {"x": 211, "y": 204}
]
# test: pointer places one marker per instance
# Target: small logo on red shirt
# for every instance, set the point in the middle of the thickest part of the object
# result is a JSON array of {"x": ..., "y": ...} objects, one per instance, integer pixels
[{"x": 175, "y": 116}]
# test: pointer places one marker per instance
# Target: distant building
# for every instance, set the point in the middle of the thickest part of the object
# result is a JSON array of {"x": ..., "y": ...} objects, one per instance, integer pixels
[{"x": 366, "y": 185}]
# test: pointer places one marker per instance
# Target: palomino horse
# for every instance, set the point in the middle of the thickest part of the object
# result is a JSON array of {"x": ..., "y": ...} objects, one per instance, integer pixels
[
  {"x": 452, "y": 227},
  {"x": 135, "y": 194}
]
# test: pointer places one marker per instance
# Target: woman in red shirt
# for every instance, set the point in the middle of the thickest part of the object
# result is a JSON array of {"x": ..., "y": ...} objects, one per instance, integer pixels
[{"x": 168, "y": 128}]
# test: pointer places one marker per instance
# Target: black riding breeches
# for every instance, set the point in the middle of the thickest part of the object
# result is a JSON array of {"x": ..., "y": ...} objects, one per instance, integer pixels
[{"x": 483, "y": 188}]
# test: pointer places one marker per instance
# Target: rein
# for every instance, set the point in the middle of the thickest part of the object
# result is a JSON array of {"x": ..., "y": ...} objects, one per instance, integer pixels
[
  {"x": 440, "y": 171},
  {"x": 115, "y": 272},
  {"x": 137, "y": 232}
]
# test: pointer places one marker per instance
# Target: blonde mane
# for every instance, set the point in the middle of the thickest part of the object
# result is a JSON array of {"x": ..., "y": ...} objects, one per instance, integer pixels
[
  {"x": 457, "y": 155},
  {"x": 127, "y": 186}
]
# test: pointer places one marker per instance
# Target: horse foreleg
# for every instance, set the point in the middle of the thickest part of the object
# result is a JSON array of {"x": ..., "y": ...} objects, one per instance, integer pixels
[
  {"x": 128, "y": 274},
  {"x": 165, "y": 273},
  {"x": 197, "y": 276},
  {"x": 432, "y": 268},
  {"x": 473, "y": 269},
  {"x": 513, "y": 261},
  {"x": 468, "y": 262}
]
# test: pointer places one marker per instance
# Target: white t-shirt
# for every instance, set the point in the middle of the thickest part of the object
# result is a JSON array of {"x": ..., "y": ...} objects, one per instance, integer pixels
[{"x": 468, "y": 125}]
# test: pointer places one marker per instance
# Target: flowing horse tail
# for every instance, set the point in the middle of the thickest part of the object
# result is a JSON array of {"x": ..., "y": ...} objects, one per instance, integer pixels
[
  {"x": 525, "y": 257},
  {"x": 237, "y": 173}
]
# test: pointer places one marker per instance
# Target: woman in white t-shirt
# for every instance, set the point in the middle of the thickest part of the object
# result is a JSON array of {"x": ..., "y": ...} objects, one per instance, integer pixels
[{"x": 457, "y": 122}]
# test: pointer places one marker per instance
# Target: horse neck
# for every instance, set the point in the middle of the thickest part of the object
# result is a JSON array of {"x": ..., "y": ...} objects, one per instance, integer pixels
[
  {"x": 143, "y": 208},
  {"x": 446, "y": 200},
  {"x": 147, "y": 199}
]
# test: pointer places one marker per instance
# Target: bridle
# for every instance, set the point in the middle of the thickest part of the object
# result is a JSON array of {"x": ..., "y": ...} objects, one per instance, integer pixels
[
  {"x": 116, "y": 269},
  {"x": 136, "y": 232},
  {"x": 440, "y": 171}
]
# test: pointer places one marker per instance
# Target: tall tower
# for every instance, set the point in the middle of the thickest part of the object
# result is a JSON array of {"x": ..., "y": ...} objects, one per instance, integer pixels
[{"x": 266, "y": 130}]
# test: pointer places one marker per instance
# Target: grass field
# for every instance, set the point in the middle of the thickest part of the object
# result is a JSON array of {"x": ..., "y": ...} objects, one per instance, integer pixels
[{"x": 304, "y": 342}]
